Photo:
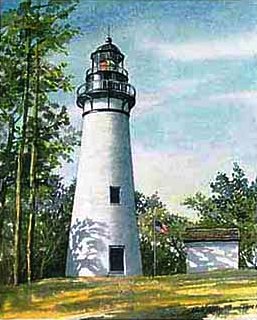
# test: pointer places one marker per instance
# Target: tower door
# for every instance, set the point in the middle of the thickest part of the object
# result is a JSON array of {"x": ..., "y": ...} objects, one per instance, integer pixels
[{"x": 116, "y": 259}]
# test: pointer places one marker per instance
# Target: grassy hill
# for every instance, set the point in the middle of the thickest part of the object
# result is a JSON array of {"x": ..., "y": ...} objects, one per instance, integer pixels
[{"x": 171, "y": 297}]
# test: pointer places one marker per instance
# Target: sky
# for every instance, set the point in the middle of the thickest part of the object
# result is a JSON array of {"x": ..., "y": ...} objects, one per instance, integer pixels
[{"x": 194, "y": 66}]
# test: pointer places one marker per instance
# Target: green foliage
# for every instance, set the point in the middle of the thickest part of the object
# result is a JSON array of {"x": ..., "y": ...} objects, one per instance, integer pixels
[
  {"x": 52, "y": 224},
  {"x": 53, "y": 207},
  {"x": 30, "y": 34},
  {"x": 233, "y": 203},
  {"x": 169, "y": 247}
]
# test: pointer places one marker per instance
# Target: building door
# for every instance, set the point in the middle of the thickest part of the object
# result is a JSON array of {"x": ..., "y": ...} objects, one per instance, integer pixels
[{"x": 116, "y": 259}]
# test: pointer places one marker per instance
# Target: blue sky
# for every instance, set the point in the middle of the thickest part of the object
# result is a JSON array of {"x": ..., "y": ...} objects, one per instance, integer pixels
[{"x": 194, "y": 65}]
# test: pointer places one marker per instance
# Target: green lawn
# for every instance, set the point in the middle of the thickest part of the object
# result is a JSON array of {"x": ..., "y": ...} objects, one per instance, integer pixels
[{"x": 172, "y": 297}]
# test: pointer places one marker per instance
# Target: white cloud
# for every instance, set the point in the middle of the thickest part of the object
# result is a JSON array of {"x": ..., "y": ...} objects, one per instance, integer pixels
[
  {"x": 245, "y": 98},
  {"x": 248, "y": 97},
  {"x": 148, "y": 102},
  {"x": 238, "y": 46}
]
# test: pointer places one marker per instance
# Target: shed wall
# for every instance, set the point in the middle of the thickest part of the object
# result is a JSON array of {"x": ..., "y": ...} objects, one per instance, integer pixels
[{"x": 212, "y": 255}]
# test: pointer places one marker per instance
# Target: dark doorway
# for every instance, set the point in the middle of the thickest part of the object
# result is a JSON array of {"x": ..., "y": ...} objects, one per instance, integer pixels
[{"x": 116, "y": 256}]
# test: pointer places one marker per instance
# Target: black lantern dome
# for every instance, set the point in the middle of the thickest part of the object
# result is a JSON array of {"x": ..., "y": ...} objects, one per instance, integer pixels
[
  {"x": 108, "y": 50},
  {"x": 108, "y": 46},
  {"x": 107, "y": 77}
]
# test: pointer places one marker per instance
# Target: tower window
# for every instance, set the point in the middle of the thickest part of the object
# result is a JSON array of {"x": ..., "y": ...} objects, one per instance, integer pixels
[
  {"x": 116, "y": 259},
  {"x": 114, "y": 194}
]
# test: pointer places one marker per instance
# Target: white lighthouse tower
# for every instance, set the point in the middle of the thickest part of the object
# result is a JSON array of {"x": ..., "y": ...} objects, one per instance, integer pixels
[{"x": 103, "y": 236}]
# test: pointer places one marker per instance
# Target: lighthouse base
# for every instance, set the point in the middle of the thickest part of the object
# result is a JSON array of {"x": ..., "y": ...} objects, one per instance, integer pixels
[{"x": 93, "y": 251}]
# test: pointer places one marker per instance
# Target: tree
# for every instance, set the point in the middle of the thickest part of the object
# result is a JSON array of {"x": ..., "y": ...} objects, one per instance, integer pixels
[
  {"x": 233, "y": 203},
  {"x": 29, "y": 35},
  {"x": 169, "y": 247}
]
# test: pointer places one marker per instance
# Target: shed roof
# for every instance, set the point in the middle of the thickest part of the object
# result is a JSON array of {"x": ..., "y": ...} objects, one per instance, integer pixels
[{"x": 211, "y": 234}]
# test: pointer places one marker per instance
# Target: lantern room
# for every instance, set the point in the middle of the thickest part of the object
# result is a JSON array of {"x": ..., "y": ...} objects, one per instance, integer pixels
[
  {"x": 107, "y": 57},
  {"x": 107, "y": 78}
]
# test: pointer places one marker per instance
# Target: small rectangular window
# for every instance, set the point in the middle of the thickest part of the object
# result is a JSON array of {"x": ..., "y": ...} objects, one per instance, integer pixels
[
  {"x": 116, "y": 259},
  {"x": 115, "y": 194}
]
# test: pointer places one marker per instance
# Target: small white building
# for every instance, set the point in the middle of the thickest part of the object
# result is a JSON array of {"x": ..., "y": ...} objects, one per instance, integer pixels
[{"x": 211, "y": 249}]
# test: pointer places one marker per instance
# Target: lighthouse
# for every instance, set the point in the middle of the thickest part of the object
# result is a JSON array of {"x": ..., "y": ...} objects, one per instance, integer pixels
[{"x": 103, "y": 238}]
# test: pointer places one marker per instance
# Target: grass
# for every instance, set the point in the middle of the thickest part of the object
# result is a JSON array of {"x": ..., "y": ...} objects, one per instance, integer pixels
[{"x": 170, "y": 297}]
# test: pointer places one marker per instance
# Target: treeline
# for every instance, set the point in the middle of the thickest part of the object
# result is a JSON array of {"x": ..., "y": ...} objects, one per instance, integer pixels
[
  {"x": 35, "y": 135},
  {"x": 231, "y": 203},
  {"x": 168, "y": 246}
]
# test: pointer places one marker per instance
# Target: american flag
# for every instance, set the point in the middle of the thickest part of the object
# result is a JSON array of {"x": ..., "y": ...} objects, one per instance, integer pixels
[{"x": 161, "y": 227}]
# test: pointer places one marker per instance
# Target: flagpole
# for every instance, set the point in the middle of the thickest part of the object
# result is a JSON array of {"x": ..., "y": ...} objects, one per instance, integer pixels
[{"x": 154, "y": 242}]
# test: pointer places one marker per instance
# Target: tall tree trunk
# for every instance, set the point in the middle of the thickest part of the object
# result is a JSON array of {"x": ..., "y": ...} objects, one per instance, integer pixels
[
  {"x": 3, "y": 184},
  {"x": 18, "y": 218},
  {"x": 32, "y": 177},
  {"x": 5, "y": 170}
]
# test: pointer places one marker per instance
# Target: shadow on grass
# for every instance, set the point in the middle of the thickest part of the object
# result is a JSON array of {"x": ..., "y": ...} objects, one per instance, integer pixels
[
  {"x": 18, "y": 298},
  {"x": 21, "y": 298},
  {"x": 128, "y": 304},
  {"x": 179, "y": 313},
  {"x": 44, "y": 289},
  {"x": 134, "y": 298}
]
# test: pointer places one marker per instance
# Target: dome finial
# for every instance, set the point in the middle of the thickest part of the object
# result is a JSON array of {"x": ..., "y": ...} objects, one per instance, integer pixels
[{"x": 108, "y": 38}]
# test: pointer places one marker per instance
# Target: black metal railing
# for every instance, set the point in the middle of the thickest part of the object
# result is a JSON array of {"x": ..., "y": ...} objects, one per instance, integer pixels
[{"x": 102, "y": 85}]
